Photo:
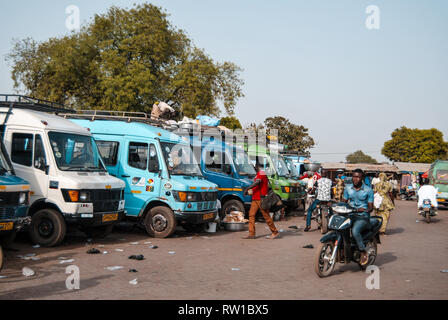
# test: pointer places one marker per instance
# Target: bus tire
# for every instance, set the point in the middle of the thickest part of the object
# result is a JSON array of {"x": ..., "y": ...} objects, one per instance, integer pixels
[
  {"x": 160, "y": 222},
  {"x": 47, "y": 228}
]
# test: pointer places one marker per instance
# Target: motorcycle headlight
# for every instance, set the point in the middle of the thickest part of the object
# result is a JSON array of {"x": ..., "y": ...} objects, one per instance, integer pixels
[{"x": 22, "y": 198}]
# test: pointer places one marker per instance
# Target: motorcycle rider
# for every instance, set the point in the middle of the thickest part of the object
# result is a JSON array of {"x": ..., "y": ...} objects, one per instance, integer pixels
[
  {"x": 323, "y": 194},
  {"x": 427, "y": 191},
  {"x": 360, "y": 197}
]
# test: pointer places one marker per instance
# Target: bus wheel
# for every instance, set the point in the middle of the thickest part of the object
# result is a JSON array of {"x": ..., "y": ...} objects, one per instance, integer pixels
[
  {"x": 160, "y": 222},
  {"x": 47, "y": 228},
  {"x": 231, "y": 205}
]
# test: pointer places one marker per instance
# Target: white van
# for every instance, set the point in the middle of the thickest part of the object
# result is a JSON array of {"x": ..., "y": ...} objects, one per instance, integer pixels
[{"x": 69, "y": 182}]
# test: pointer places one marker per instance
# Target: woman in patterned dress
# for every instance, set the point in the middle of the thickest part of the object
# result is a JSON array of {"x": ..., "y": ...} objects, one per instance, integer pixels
[{"x": 384, "y": 188}]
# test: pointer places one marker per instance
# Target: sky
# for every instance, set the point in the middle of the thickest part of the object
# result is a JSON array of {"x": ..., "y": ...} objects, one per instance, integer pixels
[{"x": 312, "y": 62}]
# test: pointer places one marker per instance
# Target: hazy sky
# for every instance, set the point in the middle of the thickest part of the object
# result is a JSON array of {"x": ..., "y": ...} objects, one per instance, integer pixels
[{"x": 313, "y": 62}]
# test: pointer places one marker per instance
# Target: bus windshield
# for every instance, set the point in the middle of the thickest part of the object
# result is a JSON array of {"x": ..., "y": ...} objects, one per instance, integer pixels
[
  {"x": 292, "y": 168},
  {"x": 180, "y": 160},
  {"x": 280, "y": 165},
  {"x": 242, "y": 163},
  {"x": 74, "y": 152},
  {"x": 4, "y": 164}
]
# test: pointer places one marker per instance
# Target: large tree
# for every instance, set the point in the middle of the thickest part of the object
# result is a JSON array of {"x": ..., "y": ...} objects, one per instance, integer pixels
[
  {"x": 126, "y": 60},
  {"x": 295, "y": 136},
  {"x": 231, "y": 123},
  {"x": 360, "y": 157},
  {"x": 416, "y": 145}
]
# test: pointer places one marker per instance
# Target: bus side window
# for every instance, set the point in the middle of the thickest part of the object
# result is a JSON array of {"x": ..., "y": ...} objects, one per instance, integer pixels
[
  {"x": 40, "y": 160},
  {"x": 138, "y": 155},
  {"x": 109, "y": 152},
  {"x": 153, "y": 159},
  {"x": 22, "y": 149}
]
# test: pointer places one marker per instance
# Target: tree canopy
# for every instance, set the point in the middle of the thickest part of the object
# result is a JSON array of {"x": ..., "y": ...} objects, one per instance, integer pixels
[
  {"x": 359, "y": 157},
  {"x": 295, "y": 136},
  {"x": 416, "y": 145},
  {"x": 126, "y": 59},
  {"x": 231, "y": 122}
]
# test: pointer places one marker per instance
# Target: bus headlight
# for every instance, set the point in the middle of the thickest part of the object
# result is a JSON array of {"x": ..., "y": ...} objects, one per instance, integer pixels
[
  {"x": 83, "y": 196},
  {"x": 22, "y": 198}
]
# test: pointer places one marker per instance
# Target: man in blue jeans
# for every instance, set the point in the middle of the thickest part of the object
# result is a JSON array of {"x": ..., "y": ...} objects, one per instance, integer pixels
[
  {"x": 323, "y": 195},
  {"x": 360, "y": 196}
]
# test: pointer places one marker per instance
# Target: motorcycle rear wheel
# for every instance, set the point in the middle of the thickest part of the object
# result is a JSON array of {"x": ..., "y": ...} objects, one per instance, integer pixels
[
  {"x": 428, "y": 217},
  {"x": 322, "y": 265}
]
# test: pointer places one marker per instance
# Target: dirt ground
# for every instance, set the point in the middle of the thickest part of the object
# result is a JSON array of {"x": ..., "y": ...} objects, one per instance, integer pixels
[{"x": 224, "y": 266}]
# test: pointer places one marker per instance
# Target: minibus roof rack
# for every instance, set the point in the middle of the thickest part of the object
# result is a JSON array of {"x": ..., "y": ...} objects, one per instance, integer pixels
[
  {"x": 24, "y": 102},
  {"x": 126, "y": 116}
]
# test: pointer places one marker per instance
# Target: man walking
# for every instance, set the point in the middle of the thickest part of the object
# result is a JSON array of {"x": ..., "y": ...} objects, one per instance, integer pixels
[
  {"x": 323, "y": 194},
  {"x": 259, "y": 191}
]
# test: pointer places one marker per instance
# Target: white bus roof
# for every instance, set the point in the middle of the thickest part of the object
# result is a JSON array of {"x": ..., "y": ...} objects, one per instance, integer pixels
[{"x": 38, "y": 120}]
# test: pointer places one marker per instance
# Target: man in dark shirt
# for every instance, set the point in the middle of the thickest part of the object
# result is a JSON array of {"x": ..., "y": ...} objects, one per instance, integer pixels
[{"x": 259, "y": 191}]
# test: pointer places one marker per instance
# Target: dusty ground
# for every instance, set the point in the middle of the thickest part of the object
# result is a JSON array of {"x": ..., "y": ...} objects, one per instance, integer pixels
[{"x": 410, "y": 259}]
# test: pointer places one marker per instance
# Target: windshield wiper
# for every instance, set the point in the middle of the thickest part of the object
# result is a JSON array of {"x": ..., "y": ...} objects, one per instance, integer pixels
[{"x": 3, "y": 170}]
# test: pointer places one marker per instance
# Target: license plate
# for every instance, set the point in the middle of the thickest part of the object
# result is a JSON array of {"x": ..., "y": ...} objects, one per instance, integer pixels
[
  {"x": 208, "y": 216},
  {"x": 6, "y": 226},
  {"x": 110, "y": 217}
]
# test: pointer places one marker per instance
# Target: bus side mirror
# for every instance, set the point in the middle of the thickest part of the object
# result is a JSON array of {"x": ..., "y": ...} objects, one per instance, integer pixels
[{"x": 47, "y": 169}]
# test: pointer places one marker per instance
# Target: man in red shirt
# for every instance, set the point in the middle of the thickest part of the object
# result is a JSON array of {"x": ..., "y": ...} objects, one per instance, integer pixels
[{"x": 259, "y": 191}]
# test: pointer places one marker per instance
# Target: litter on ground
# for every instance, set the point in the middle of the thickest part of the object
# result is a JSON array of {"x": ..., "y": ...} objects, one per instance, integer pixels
[
  {"x": 137, "y": 257},
  {"x": 114, "y": 268},
  {"x": 27, "y": 272},
  {"x": 66, "y": 261},
  {"x": 133, "y": 282}
]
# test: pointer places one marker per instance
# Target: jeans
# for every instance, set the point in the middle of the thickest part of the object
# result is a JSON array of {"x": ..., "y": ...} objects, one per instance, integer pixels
[
  {"x": 312, "y": 207},
  {"x": 359, "y": 226}
]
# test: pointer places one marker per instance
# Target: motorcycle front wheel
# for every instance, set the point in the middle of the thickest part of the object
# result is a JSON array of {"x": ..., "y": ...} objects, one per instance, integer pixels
[
  {"x": 324, "y": 222},
  {"x": 372, "y": 250},
  {"x": 322, "y": 265}
]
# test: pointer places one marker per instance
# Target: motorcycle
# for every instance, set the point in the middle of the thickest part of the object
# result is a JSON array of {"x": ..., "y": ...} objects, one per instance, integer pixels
[
  {"x": 340, "y": 246},
  {"x": 408, "y": 194},
  {"x": 322, "y": 214},
  {"x": 428, "y": 210}
]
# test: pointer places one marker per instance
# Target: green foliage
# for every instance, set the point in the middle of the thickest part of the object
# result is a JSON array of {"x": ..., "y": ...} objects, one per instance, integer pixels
[
  {"x": 126, "y": 60},
  {"x": 231, "y": 122},
  {"x": 295, "y": 136},
  {"x": 359, "y": 157},
  {"x": 416, "y": 145}
]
